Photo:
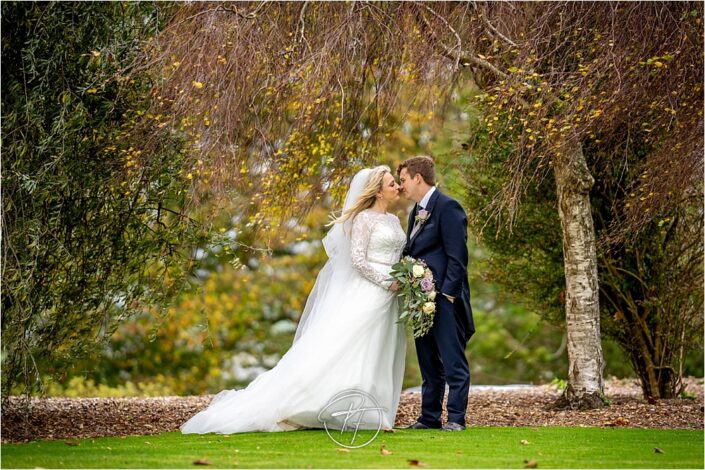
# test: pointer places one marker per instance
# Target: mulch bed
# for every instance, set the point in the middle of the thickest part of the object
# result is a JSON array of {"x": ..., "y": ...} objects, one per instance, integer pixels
[{"x": 65, "y": 418}]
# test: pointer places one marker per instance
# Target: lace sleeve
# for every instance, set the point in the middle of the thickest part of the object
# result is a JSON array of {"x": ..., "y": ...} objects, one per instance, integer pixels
[{"x": 361, "y": 231}]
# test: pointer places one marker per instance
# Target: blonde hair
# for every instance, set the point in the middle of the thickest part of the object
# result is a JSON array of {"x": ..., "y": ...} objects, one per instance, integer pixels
[{"x": 368, "y": 195}]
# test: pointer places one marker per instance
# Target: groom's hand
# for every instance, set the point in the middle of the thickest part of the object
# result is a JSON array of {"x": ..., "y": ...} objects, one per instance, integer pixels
[{"x": 450, "y": 298}]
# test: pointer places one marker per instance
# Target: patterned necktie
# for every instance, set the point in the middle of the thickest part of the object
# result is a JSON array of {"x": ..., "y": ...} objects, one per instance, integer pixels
[{"x": 417, "y": 223}]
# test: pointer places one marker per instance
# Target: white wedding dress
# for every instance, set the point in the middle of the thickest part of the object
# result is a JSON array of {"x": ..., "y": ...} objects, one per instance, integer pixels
[{"x": 350, "y": 340}]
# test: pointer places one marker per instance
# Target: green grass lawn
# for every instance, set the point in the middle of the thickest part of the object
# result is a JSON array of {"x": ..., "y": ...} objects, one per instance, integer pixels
[{"x": 483, "y": 447}]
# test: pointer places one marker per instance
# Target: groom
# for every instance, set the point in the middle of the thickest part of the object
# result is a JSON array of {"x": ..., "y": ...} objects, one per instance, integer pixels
[{"x": 437, "y": 234}]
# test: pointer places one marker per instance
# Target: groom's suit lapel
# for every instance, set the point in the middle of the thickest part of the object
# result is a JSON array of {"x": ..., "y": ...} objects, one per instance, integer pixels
[{"x": 429, "y": 207}]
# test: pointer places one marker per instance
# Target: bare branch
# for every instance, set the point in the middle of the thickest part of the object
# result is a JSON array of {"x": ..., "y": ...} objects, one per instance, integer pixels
[
  {"x": 303, "y": 26},
  {"x": 459, "y": 44},
  {"x": 466, "y": 59},
  {"x": 248, "y": 16},
  {"x": 495, "y": 30}
]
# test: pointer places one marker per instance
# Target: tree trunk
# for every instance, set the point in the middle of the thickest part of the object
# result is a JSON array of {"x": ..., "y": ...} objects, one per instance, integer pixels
[
  {"x": 656, "y": 381},
  {"x": 585, "y": 363},
  {"x": 647, "y": 325}
]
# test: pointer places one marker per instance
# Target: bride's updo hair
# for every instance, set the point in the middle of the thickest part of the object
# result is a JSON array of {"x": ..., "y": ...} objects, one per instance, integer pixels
[{"x": 368, "y": 196}]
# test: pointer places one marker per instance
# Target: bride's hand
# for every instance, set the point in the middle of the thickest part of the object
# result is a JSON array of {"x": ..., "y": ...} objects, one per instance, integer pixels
[{"x": 394, "y": 286}]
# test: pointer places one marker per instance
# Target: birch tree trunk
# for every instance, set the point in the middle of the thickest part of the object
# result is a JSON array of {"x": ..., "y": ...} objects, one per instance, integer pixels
[{"x": 585, "y": 363}]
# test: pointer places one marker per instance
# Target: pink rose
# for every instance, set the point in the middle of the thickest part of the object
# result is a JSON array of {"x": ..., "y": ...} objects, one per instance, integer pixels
[
  {"x": 422, "y": 216},
  {"x": 426, "y": 284}
]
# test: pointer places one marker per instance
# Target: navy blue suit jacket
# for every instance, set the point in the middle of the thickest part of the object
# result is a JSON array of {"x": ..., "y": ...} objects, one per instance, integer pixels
[{"x": 442, "y": 243}]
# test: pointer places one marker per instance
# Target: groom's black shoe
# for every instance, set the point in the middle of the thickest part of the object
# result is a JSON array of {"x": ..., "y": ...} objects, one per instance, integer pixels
[
  {"x": 450, "y": 426},
  {"x": 416, "y": 425}
]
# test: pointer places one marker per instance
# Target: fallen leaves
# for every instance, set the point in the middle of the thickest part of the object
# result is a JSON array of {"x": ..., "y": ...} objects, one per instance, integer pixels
[
  {"x": 618, "y": 421},
  {"x": 416, "y": 463},
  {"x": 531, "y": 464},
  {"x": 383, "y": 450},
  {"x": 201, "y": 462}
]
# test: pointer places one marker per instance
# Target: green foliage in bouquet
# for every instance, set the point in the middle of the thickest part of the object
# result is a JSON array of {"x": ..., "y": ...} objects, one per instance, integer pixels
[{"x": 417, "y": 291}]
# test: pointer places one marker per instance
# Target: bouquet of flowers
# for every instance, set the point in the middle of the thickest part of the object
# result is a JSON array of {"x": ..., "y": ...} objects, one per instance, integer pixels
[{"x": 418, "y": 292}]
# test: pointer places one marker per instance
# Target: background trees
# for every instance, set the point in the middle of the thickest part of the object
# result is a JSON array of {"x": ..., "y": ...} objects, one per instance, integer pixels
[
  {"x": 555, "y": 77},
  {"x": 88, "y": 235},
  {"x": 267, "y": 108},
  {"x": 615, "y": 89},
  {"x": 528, "y": 262}
]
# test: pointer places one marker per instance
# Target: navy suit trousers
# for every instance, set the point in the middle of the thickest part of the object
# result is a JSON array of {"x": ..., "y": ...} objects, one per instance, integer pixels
[{"x": 441, "y": 355}]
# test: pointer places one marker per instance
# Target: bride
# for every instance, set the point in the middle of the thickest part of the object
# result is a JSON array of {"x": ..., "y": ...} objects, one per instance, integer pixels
[{"x": 348, "y": 338}]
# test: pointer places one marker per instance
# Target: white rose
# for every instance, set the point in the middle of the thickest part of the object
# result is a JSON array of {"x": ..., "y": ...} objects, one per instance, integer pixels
[
  {"x": 432, "y": 295},
  {"x": 417, "y": 270},
  {"x": 429, "y": 307}
]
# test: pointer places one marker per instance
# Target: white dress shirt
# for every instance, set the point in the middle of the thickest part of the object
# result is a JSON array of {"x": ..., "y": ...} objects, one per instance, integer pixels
[{"x": 424, "y": 201}]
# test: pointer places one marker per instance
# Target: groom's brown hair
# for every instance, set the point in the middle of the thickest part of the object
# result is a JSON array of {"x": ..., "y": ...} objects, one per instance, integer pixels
[{"x": 422, "y": 165}]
